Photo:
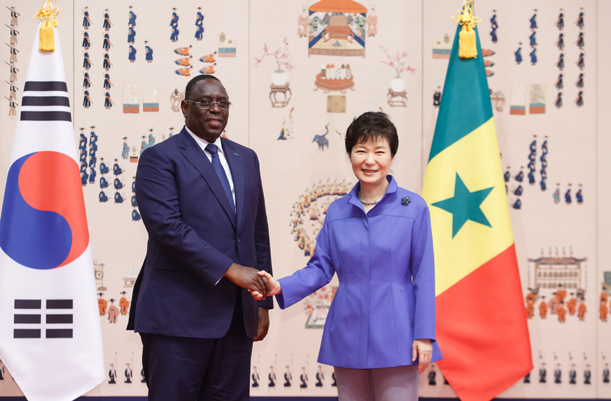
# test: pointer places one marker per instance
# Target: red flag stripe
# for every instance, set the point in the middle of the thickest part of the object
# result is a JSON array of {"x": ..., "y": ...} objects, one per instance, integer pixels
[{"x": 483, "y": 334}]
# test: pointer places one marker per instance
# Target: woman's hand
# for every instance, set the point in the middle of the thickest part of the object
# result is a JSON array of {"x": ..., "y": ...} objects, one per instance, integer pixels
[
  {"x": 274, "y": 286},
  {"x": 422, "y": 349}
]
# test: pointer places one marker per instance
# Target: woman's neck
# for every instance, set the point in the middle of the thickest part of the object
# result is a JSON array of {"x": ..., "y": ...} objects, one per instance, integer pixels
[{"x": 370, "y": 193}]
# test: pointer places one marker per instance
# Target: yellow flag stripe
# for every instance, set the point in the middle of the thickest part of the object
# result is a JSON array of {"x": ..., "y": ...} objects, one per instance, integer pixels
[{"x": 476, "y": 159}]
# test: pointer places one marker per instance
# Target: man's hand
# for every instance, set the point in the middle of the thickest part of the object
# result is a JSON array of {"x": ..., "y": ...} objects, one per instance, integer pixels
[
  {"x": 263, "y": 324},
  {"x": 247, "y": 277},
  {"x": 423, "y": 350},
  {"x": 274, "y": 286}
]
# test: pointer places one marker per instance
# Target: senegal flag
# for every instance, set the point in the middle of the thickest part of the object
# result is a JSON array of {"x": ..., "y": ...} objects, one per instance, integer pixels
[{"x": 481, "y": 319}]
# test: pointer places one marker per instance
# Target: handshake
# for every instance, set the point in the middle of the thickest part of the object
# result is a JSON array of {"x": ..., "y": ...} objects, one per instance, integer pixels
[{"x": 272, "y": 289}]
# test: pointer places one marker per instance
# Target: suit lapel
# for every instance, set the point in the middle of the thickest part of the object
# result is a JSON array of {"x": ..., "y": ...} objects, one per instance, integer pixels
[
  {"x": 237, "y": 172},
  {"x": 196, "y": 156}
]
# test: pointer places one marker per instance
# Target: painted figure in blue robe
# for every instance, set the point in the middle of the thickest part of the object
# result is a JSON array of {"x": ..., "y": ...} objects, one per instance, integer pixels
[
  {"x": 102, "y": 197},
  {"x": 86, "y": 99},
  {"x": 103, "y": 182},
  {"x": 579, "y": 196},
  {"x": 86, "y": 41},
  {"x": 507, "y": 175},
  {"x": 519, "y": 177},
  {"x": 543, "y": 163},
  {"x": 132, "y": 18},
  {"x": 559, "y": 82},
  {"x": 518, "y": 191},
  {"x": 580, "y": 81},
  {"x": 175, "y": 33},
  {"x": 543, "y": 185},
  {"x": 544, "y": 149},
  {"x": 107, "y": 101},
  {"x": 533, "y": 21},
  {"x": 560, "y": 21},
  {"x": 532, "y": 156},
  {"x": 106, "y": 25},
  {"x": 84, "y": 177},
  {"x": 143, "y": 145},
  {"x": 567, "y": 196},
  {"x": 118, "y": 184},
  {"x": 131, "y": 35},
  {"x": 557, "y": 195},
  {"x": 149, "y": 52},
  {"x": 92, "y": 175},
  {"x": 132, "y": 54},
  {"x": 125, "y": 151},
  {"x": 533, "y": 39},
  {"x": 579, "y": 100},
  {"x": 560, "y": 63},
  {"x": 581, "y": 63},
  {"x": 93, "y": 137},
  {"x": 580, "y": 21},
  {"x": 103, "y": 167},
  {"x": 174, "y": 21},
  {"x": 533, "y": 145},
  {"x": 580, "y": 41},
  {"x": 533, "y": 56},
  {"x": 93, "y": 161},
  {"x": 82, "y": 142},
  {"x": 93, "y": 147},
  {"x": 560, "y": 41},
  {"x": 558, "y": 102},
  {"x": 86, "y": 80},
  {"x": 517, "y": 204},
  {"x": 493, "y": 22},
  {"x": 107, "y": 84},
  {"x": 494, "y": 38},
  {"x": 171, "y": 132},
  {"x": 543, "y": 173},
  {"x": 151, "y": 141},
  {"x": 86, "y": 61},
  {"x": 118, "y": 198},
  {"x": 116, "y": 170},
  {"x": 106, "y": 64},
  {"x": 199, "y": 33},
  {"x": 134, "y": 185},
  {"x": 83, "y": 162},
  {"x": 518, "y": 54},
  {"x": 134, "y": 202},
  {"x": 86, "y": 21},
  {"x": 106, "y": 44},
  {"x": 531, "y": 177},
  {"x": 135, "y": 215}
]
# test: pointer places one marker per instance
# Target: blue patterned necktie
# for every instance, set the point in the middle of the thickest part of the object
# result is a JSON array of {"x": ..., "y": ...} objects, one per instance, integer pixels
[{"x": 220, "y": 171}]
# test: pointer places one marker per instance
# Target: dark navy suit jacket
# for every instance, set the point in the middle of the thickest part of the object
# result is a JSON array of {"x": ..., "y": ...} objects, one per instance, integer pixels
[{"x": 194, "y": 237}]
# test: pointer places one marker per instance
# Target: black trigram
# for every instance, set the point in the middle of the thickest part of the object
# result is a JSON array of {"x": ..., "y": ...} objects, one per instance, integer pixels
[
  {"x": 45, "y": 101},
  {"x": 27, "y": 325}
]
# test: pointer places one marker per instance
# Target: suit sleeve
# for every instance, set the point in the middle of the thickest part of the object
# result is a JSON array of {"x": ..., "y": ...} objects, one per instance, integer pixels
[
  {"x": 159, "y": 205},
  {"x": 315, "y": 275},
  {"x": 264, "y": 257},
  {"x": 422, "y": 266}
]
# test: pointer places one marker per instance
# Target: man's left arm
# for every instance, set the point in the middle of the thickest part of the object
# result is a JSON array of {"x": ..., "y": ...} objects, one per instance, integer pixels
[{"x": 264, "y": 258}]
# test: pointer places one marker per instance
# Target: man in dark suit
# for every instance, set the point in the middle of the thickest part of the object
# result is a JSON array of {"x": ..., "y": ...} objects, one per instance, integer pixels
[{"x": 202, "y": 203}]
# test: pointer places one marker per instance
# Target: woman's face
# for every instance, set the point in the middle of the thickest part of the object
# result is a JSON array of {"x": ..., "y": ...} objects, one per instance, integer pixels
[{"x": 371, "y": 160}]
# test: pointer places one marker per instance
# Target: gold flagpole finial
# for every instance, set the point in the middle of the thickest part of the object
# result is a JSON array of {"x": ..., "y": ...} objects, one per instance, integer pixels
[
  {"x": 48, "y": 15},
  {"x": 467, "y": 43}
]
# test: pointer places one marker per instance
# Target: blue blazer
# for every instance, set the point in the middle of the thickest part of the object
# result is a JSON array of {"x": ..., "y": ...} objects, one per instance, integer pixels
[
  {"x": 194, "y": 237},
  {"x": 385, "y": 265}
]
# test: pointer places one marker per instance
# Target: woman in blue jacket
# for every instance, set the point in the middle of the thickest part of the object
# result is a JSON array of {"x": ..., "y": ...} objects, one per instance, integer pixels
[{"x": 380, "y": 331}]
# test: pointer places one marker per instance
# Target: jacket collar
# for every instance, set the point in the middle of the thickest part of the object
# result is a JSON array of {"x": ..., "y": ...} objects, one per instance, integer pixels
[{"x": 353, "y": 197}]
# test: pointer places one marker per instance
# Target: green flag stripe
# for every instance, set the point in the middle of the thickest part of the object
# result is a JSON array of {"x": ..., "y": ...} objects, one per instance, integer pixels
[{"x": 465, "y": 103}]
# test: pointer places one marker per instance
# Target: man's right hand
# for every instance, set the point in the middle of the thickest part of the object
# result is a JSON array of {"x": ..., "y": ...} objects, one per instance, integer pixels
[{"x": 247, "y": 277}]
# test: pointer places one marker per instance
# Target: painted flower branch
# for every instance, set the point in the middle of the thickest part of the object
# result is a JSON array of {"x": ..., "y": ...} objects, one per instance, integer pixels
[
  {"x": 397, "y": 62},
  {"x": 281, "y": 55}
]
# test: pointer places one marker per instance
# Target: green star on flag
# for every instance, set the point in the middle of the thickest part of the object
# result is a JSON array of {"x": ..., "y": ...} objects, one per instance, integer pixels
[{"x": 465, "y": 205}]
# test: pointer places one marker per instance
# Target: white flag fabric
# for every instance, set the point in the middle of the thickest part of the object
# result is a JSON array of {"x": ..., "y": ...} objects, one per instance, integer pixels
[{"x": 50, "y": 334}]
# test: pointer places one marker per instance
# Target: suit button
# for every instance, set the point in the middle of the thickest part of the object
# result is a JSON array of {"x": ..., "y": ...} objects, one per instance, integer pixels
[{"x": 238, "y": 239}]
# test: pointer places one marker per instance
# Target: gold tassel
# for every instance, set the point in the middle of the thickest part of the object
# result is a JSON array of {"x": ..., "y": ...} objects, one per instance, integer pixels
[
  {"x": 48, "y": 16},
  {"x": 467, "y": 41}
]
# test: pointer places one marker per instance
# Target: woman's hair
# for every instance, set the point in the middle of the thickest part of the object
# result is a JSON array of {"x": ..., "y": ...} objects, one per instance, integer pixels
[{"x": 372, "y": 126}]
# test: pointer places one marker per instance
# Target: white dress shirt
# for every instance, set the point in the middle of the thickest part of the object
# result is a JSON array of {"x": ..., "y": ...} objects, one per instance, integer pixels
[{"x": 203, "y": 143}]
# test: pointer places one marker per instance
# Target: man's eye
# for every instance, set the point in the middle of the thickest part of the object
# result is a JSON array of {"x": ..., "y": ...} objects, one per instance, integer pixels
[
  {"x": 223, "y": 104},
  {"x": 205, "y": 103}
]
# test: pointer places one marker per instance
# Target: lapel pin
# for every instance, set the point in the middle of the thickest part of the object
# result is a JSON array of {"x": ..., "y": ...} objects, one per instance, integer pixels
[
  {"x": 235, "y": 154},
  {"x": 405, "y": 201}
]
